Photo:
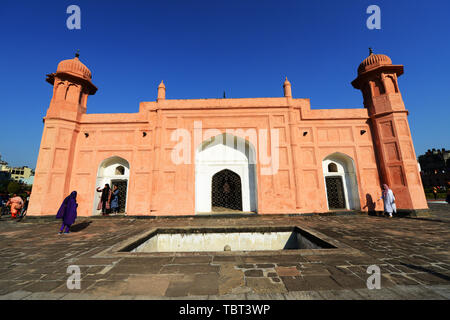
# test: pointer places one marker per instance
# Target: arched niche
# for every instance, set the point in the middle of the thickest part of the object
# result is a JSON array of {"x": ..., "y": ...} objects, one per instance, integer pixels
[
  {"x": 120, "y": 171},
  {"x": 60, "y": 91},
  {"x": 225, "y": 152},
  {"x": 332, "y": 167},
  {"x": 110, "y": 172},
  {"x": 341, "y": 185},
  {"x": 391, "y": 85},
  {"x": 378, "y": 88},
  {"x": 73, "y": 93}
]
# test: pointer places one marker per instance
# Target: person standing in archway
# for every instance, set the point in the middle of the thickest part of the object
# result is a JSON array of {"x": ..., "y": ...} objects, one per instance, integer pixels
[
  {"x": 104, "y": 199},
  {"x": 389, "y": 200},
  {"x": 68, "y": 212},
  {"x": 115, "y": 199}
]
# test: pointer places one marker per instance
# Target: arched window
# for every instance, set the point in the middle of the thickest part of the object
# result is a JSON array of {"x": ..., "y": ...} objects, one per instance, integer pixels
[
  {"x": 332, "y": 167},
  {"x": 120, "y": 171},
  {"x": 391, "y": 86},
  {"x": 378, "y": 88}
]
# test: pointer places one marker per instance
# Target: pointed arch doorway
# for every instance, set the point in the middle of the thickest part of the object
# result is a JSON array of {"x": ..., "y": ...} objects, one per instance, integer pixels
[
  {"x": 225, "y": 175},
  {"x": 226, "y": 191},
  {"x": 341, "y": 185},
  {"x": 113, "y": 171}
]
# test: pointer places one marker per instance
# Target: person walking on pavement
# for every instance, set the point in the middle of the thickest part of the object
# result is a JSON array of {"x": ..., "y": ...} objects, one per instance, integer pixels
[
  {"x": 16, "y": 204},
  {"x": 23, "y": 212},
  {"x": 68, "y": 212},
  {"x": 389, "y": 200}
]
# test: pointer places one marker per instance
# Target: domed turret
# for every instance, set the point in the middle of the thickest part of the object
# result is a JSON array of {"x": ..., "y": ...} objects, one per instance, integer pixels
[
  {"x": 373, "y": 61},
  {"x": 74, "y": 67},
  {"x": 374, "y": 68}
]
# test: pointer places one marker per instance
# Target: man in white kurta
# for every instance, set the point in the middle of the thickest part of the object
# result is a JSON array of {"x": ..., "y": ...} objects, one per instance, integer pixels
[{"x": 389, "y": 200}]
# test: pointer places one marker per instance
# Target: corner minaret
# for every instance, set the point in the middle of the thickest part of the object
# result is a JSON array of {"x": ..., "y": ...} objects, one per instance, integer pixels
[
  {"x": 71, "y": 87},
  {"x": 378, "y": 81},
  {"x": 72, "y": 84}
]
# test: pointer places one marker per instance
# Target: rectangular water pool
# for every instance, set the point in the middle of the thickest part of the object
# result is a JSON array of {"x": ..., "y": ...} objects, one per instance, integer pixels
[{"x": 227, "y": 239}]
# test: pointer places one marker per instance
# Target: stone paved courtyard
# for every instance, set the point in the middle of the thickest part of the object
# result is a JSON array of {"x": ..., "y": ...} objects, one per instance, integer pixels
[{"x": 412, "y": 253}]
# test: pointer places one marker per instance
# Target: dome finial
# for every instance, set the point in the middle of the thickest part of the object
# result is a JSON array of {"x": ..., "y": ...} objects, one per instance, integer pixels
[
  {"x": 370, "y": 51},
  {"x": 161, "y": 91},
  {"x": 77, "y": 54},
  {"x": 287, "y": 88}
]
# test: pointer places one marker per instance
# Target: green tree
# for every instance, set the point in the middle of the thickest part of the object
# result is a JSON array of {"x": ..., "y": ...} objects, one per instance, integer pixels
[
  {"x": 4, "y": 186},
  {"x": 13, "y": 187}
]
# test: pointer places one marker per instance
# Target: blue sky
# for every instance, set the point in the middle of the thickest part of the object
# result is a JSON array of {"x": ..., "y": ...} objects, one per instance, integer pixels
[{"x": 203, "y": 48}]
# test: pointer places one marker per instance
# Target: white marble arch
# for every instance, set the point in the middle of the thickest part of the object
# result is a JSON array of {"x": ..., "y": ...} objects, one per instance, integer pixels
[
  {"x": 221, "y": 152},
  {"x": 346, "y": 170},
  {"x": 107, "y": 172}
]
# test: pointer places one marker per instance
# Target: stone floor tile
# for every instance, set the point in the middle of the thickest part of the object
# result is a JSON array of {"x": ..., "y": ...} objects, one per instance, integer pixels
[
  {"x": 205, "y": 284},
  {"x": 45, "y": 296},
  {"x": 442, "y": 290},
  {"x": 82, "y": 296},
  {"x": 15, "y": 295},
  {"x": 322, "y": 283},
  {"x": 296, "y": 284},
  {"x": 253, "y": 273},
  {"x": 264, "y": 285},
  {"x": 379, "y": 294},
  {"x": 303, "y": 295},
  {"x": 266, "y": 296},
  {"x": 416, "y": 293},
  {"x": 228, "y": 297},
  {"x": 178, "y": 289},
  {"x": 350, "y": 281},
  {"x": 340, "y": 295},
  {"x": 43, "y": 286}
]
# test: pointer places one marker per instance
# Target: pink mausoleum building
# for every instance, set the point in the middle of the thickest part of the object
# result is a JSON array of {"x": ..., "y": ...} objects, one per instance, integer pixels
[{"x": 262, "y": 155}]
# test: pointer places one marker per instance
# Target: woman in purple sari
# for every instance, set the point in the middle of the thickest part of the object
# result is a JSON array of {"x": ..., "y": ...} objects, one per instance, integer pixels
[{"x": 68, "y": 212}]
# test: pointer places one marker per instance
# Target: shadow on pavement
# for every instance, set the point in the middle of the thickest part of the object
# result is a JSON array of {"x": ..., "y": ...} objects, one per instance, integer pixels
[{"x": 80, "y": 226}]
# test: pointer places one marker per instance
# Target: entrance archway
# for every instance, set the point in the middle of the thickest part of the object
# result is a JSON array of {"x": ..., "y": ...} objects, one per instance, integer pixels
[
  {"x": 113, "y": 171},
  {"x": 224, "y": 156},
  {"x": 341, "y": 185},
  {"x": 226, "y": 191}
]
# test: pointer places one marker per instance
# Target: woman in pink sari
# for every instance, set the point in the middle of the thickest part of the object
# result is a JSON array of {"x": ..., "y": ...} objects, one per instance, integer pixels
[{"x": 16, "y": 204}]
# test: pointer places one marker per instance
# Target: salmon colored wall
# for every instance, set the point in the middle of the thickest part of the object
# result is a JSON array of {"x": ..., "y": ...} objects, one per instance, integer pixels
[
  {"x": 157, "y": 186},
  {"x": 377, "y": 139}
]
